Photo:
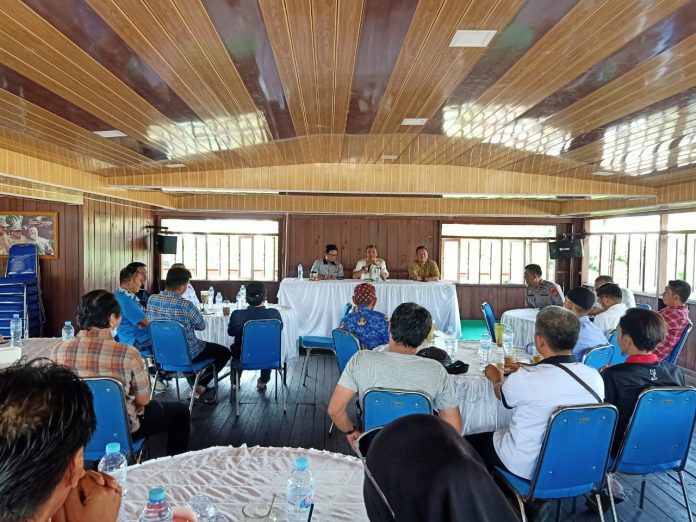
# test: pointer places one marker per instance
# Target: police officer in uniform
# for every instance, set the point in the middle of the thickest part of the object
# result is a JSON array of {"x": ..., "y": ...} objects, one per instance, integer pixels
[{"x": 540, "y": 293}]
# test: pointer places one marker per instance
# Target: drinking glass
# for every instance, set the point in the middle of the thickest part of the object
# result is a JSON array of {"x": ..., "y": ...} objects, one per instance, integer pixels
[{"x": 255, "y": 511}]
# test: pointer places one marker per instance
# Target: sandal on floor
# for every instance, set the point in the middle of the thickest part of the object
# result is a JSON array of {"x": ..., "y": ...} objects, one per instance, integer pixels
[
  {"x": 209, "y": 396},
  {"x": 260, "y": 385}
]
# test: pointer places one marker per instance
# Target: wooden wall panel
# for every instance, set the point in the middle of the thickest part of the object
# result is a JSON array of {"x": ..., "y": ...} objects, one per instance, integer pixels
[{"x": 500, "y": 297}]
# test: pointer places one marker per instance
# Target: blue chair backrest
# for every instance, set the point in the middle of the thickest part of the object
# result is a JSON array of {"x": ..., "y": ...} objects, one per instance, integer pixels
[
  {"x": 672, "y": 357},
  {"x": 261, "y": 344},
  {"x": 22, "y": 260},
  {"x": 617, "y": 357},
  {"x": 112, "y": 420},
  {"x": 345, "y": 311},
  {"x": 381, "y": 406},
  {"x": 659, "y": 433},
  {"x": 644, "y": 305},
  {"x": 169, "y": 345},
  {"x": 490, "y": 319},
  {"x": 599, "y": 357},
  {"x": 346, "y": 345},
  {"x": 575, "y": 450}
]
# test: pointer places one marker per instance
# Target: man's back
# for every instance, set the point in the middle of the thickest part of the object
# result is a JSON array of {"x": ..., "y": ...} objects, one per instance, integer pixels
[
  {"x": 368, "y": 369},
  {"x": 369, "y": 326},
  {"x": 253, "y": 313},
  {"x": 624, "y": 382},
  {"x": 170, "y": 306},
  {"x": 589, "y": 337},
  {"x": 608, "y": 320}
]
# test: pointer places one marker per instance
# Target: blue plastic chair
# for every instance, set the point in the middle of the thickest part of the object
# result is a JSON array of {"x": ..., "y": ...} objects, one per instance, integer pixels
[
  {"x": 617, "y": 357},
  {"x": 22, "y": 260},
  {"x": 317, "y": 342},
  {"x": 346, "y": 345},
  {"x": 489, "y": 318},
  {"x": 672, "y": 357},
  {"x": 573, "y": 457},
  {"x": 172, "y": 356},
  {"x": 599, "y": 357},
  {"x": 658, "y": 436},
  {"x": 381, "y": 406},
  {"x": 261, "y": 351},
  {"x": 112, "y": 420},
  {"x": 644, "y": 305}
]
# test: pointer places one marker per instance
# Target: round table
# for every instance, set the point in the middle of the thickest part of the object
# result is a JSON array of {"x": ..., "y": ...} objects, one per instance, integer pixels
[
  {"x": 232, "y": 477},
  {"x": 319, "y": 303},
  {"x": 216, "y": 330},
  {"x": 522, "y": 322}
]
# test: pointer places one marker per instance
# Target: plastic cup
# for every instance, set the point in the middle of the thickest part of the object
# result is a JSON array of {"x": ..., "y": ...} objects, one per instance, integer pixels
[
  {"x": 255, "y": 511},
  {"x": 499, "y": 331}
]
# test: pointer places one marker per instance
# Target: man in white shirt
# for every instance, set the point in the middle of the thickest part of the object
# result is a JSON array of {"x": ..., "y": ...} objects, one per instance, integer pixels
[
  {"x": 535, "y": 391},
  {"x": 626, "y": 295},
  {"x": 371, "y": 267},
  {"x": 399, "y": 368},
  {"x": 611, "y": 300}
]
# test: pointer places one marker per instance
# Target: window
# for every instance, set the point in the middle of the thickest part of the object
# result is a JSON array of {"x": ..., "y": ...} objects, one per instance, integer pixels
[
  {"x": 681, "y": 247},
  {"x": 495, "y": 254},
  {"x": 225, "y": 249},
  {"x": 631, "y": 258}
]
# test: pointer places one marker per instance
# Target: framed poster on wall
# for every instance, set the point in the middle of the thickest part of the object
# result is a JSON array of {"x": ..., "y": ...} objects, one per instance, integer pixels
[{"x": 39, "y": 228}]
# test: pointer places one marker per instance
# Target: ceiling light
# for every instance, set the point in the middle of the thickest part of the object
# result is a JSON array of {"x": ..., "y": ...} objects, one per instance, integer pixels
[
  {"x": 603, "y": 173},
  {"x": 113, "y": 133},
  {"x": 468, "y": 38},
  {"x": 389, "y": 156},
  {"x": 197, "y": 190},
  {"x": 175, "y": 165},
  {"x": 414, "y": 121}
]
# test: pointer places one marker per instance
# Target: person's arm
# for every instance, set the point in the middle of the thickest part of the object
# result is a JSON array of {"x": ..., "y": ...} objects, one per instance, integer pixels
[
  {"x": 339, "y": 273},
  {"x": 197, "y": 320},
  {"x": 360, "y": 269},
  {"x": 494, "y": 375},
  {"x": 556, "y": 294},
  {"x": 435, "y": 272},
  {"x": 596, "y": 309},
  {"x": 413, "y": 272},
  {"x": 453, "y": 417},
  {"x": 236, "y": 324},
  {"x": 144, "y": 323},
  {"x": 140, "y": 382},
  {"x": 91, "y": 501},
  {"x": 338, "y": 411},
  {"x": 384, "y": 273}
]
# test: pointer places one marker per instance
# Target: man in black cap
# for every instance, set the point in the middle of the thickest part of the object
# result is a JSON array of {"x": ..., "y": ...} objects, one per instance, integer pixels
[{"x": 580, "y": 301}]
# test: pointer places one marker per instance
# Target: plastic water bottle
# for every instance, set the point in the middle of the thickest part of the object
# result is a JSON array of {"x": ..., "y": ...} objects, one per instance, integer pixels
[
  {"x": 508, "y": 338},
  {"x": 68, "y": 331},
  {"x": 484, "y": 351},
  {"x": 300, "y": 491},
  {"x": 218, "y": 298},
  {"x": 15, "y": 331},
  {"x": 157, "y": 509},
  {"x": 450, "y": 342},
  {"x": 115, "y": 464},
  {"x": 300, "y": 271}
]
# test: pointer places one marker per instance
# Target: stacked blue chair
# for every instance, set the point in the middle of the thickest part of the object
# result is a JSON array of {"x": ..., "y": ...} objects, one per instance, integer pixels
[
  {"x": 489, "y": 318},
  {"x": 20, "y": 291},
  {"x": 573, "y": 457},
  {"x": 346, "y": 345},
  {"x": 381, "y": 406},
  {"x": 317, "y": 342},
  {"x": 657, "y": 438},
  {"x": 672, "y": 357}
]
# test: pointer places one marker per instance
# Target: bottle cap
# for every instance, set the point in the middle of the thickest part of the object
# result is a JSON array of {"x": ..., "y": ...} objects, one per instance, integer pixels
[
  {"x": 68, "y": 323},
  {"x": 157, "y": 495},
  {"x": 113, "y": 447},
  {"x": 15, "y": 316},
  {"x": 301, "y": 463}
]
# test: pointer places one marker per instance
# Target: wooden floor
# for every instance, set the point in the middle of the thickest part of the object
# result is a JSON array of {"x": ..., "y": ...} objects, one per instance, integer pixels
[{"x": 262, "y": 422}]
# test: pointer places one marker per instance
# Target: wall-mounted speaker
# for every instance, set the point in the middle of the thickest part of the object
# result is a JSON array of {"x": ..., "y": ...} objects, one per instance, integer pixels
[{"x": 165, "y": 244}]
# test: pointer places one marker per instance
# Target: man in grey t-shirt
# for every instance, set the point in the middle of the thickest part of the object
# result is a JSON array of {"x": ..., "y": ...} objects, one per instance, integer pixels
[{"x": 399, "y": 368}]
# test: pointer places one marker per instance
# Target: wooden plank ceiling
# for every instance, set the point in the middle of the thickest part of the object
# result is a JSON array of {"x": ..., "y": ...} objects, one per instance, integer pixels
[{"x": 571, "y": 101}]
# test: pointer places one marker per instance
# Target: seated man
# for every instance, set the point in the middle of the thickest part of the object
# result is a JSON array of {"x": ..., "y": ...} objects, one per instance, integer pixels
[
  {"x": 327, "y": 267},
  {"x": 628, "y": 298},
  {"x": 535, "y": 391},
  {"x": 399, "y": 368},
  {"x": 540, "y": 293},
  {"x": 134, "y": 328},
  {"x": 371, "y": 266},
  {"x": 579, "y": 301},
  {"x": 422, "y": 268},
  {"x": 676, "y": 315},
  {"x": 190, "y": 293},
  {"x": 369, "y": 326},
  {"x": 142, "y": 294},
  {"x": 170, "y": 305},
  {"x": 94, "y": 353},
  {"x": 639, "y": 332},
  {"x": 46, "y": 419},
  {"x": 610, "y": 299},
  {"x": 256, "y": 298}
]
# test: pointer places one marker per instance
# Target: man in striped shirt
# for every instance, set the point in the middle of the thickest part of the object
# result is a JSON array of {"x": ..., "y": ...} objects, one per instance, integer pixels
[{"x": 675, "y": 314}]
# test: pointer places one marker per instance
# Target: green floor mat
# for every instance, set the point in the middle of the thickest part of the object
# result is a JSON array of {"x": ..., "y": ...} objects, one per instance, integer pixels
[{"x": 472, "y": 329}]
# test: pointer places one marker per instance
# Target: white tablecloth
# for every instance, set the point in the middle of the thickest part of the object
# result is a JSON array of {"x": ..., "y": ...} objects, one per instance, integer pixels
[
  {"x": 232, "y": 477},
  {"x": 319, "y": 303},
  {"x": 522, "y": 321},
  {"x": 36, "y": 347},
  {"x": 216, "y": 331}
]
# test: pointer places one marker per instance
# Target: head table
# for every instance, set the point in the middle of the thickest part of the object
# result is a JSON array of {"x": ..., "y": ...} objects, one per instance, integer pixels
[
  {"x": 319, "y": 303},
  {"x": 232, "y": 477}
]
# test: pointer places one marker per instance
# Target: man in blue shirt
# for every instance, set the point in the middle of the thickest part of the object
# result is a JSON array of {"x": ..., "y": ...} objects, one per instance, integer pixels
[
  {"x": 170, "y": 305},
  {"x": 580, "y": 301},
  {"x": 369, "y": 326},
  {"x": 134, "y": 328}
]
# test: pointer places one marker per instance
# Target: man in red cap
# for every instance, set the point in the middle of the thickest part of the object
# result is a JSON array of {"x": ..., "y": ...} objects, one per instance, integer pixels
[{"x": 369, "y": 326}]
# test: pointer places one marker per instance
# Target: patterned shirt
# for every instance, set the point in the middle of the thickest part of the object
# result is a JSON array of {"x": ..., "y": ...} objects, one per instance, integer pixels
[
  {"x": 171, "y": 306},
  {"x": 428, "y": 269},
  {"x": 93, "y": 353},
  {"x": 546, "y": 294},
  {"x": 677, "y": 318},
  {"x": 369, "y": 326},
  {"x": 327, "y": 268}
]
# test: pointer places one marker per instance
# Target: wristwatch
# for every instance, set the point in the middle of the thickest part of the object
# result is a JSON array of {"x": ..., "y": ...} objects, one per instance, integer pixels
[{"x": 350, "y": 431}]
